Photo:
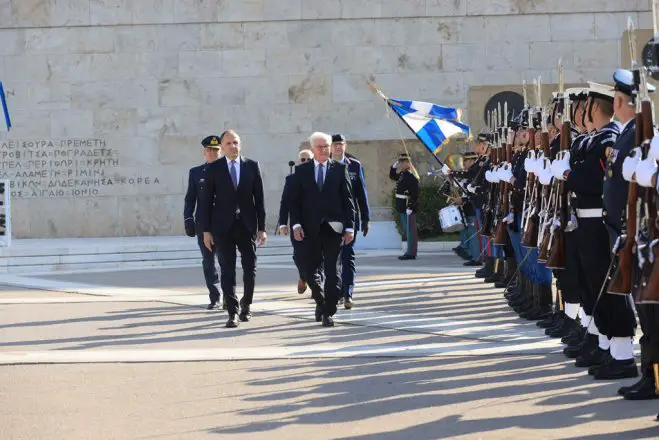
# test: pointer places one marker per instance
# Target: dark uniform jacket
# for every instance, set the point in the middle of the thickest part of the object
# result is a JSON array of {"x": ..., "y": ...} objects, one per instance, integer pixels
[
  {"x": 359, "y": 193},
  {"x": 196, "y": 181},
  {"x": 285, "y": 203},
  {"x": 615, "y": 186},
  {"x": 406, "y": 185},
  {"x": 588, "y": 165}
]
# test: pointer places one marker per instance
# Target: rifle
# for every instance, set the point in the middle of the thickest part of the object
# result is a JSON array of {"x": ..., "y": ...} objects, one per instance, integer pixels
[
  {"x": 504, "y": 187},
  {"x": 530, "y": 227},
  {"x": 556, "y": 259},
  {"x": 621, "y": 281}
]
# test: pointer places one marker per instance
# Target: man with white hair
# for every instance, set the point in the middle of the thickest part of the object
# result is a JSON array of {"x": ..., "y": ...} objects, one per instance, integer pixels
[{"x": 323, "y": 217}]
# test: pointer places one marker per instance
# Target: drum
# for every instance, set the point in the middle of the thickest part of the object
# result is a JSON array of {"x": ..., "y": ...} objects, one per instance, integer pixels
[{"x": 450, "y": 219}]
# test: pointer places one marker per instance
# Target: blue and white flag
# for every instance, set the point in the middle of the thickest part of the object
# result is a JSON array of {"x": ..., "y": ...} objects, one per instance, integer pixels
[
  {"x": 428, "y": 108},
  {"x": 5, "y": 122},
  {"x": 431, "y": 129}
]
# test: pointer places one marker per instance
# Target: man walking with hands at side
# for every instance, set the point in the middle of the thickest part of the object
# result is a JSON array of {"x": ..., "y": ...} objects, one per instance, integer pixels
[
  {"x": 234, "y": 217},
  {"x": 323, "y": 217}
]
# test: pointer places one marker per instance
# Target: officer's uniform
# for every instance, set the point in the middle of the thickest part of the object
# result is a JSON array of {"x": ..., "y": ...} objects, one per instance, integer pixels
[
  {"x": 362, "y": 218},
  {"x": 469, "y": 235},
  {"x": 191, "y": 217},
  {"x": 407, "y": 197}
]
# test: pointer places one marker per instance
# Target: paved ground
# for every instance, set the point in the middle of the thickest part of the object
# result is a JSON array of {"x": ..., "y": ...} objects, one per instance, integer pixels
[{"x": 429, "y": 352}]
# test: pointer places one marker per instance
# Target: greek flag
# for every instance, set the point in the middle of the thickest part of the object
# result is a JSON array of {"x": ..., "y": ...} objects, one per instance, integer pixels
[
  {"x": 5, "y": 122},
  {"x": 433, "y": 124}
]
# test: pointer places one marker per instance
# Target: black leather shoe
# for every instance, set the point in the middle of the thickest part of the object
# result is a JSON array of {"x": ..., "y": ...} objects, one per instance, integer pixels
[
  {"x": 319, "y": 313},
  {"x": 232, "y": 322},
  {"x": 245, "y": 316},
  {"x": 588, "y": 344},
  {"x": 640, "y": 384},
  {"x": 471, "y": 263},
  {"x": 593, "y": 358},
  {"x": 575, "y": 336},
  {"x": 328, "y": 321},
  {"x": 213, "y": 306},
  {"x": 549, "y": 321},
  {"x": 616, "y": 369},
  {"x": 644, "y": 391},
  {"x": 407, "y": 257}
]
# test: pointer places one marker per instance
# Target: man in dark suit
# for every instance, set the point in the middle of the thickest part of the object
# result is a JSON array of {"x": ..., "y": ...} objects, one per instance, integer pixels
[
  {"x": 362, "y": 217},
  {"x": 234, "y": 217},
  {"x": 191, "y": 217},
  {"x": 284, "y": 210},
  {"x": 323, "y": 218}
]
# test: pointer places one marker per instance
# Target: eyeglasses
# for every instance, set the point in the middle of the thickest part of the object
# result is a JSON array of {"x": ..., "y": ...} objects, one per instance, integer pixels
[{"x": 303, "y": 159}]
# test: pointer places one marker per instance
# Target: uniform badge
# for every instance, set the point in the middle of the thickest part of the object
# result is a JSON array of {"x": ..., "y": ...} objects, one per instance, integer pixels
[{"x": 610, "y": 172}]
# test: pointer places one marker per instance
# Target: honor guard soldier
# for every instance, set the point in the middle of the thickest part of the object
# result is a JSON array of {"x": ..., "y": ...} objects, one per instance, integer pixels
[
  {"x": 615, "y": 201},
  {"x": 362, "y": 216},
  {"x": 471, "y": 245},
  {"x": 191, "y": 215},
  {"x": 407, "y": 196}
]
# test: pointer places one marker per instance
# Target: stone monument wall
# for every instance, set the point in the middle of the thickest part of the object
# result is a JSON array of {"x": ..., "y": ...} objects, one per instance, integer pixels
[{"x": 110, "y": 98}]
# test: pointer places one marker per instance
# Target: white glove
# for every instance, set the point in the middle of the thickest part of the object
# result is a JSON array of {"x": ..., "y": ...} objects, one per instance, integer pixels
[
  {"x": 544, "y": 175},
  {"x": 446, "y": 170},
  {"x": 539, "y": 163},
  {"x": 505, "y": 174},
  {"x": 645, "y": 170},
  {"x": 654, "y": 148},
  {"x": 488, "y": 176},
  {"x": 408, "y": 211},
  {"x": 618, "y": 244},
  {"x": 491, "y": 176},
  {"x": 471, "y": 188},
  {"x": 630, "y": 163},
  {"x": 559, "y": 167},
  {"x": 529, "y": 162}
]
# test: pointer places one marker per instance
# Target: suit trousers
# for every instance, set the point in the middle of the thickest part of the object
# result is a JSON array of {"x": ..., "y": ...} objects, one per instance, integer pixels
[
  {"x": 298, "y": 258},
  {"x": 323, "y": 249},
  {"x": 571, "y": 279},
  {"x": 210, "y": 271},
  {"x": 226, "y": 243},
  {"x": 408, "y": 223},
  {"x": 348, "y": 268}
]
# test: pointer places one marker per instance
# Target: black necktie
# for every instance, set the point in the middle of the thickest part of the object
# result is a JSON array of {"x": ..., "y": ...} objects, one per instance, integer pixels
[{"x": 319, "y": 178}]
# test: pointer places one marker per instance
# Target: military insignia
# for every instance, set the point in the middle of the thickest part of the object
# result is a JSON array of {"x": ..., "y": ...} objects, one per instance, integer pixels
[
  {"x": 215, "y": 141},
  {"x": 613, "y": 155},
  {"x": 610, "y": 172}
]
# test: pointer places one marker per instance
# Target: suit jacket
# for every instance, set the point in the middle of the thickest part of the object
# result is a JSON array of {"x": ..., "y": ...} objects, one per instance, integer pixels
[
  {"x": 220, "y": 200},
  {"x": 285, "y": 203},
  {"x": 615, "y": 186},
  {"x": 196, "y": 182},
  {"x": 311, "y": 207},
  {"x": 359, "y": 193}
]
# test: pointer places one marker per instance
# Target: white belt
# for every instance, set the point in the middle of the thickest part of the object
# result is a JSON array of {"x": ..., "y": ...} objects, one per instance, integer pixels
[
  {"x": 401, "y": 196},
  {"x": 589, "y": 213}
]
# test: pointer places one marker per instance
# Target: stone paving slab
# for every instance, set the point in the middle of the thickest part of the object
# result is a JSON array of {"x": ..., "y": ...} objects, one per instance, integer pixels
[{"x": 516, "y": 397}]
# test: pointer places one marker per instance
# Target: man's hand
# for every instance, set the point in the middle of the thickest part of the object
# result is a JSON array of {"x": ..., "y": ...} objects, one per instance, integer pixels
[
  {"x": 208, "y": 241},
  {"x": 408, "y": 211},
  {"x": 298, "y": 234},
  {"x": 283, "y": 230},
  {"x": 348, "y": 237},
  {"x": 365, "y": 228},
  {"x": 261, "y": 238},
  {"x": 189, "y": 228}
]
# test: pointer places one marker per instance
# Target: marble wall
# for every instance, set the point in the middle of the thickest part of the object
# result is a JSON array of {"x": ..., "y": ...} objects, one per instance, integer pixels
[{"x": 110, "y": 98}]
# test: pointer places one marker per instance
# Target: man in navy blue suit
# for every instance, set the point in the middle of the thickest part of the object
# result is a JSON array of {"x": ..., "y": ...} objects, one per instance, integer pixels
[
  {"x": 196, "y": 180},
  {"x": 362, "y": 215}
]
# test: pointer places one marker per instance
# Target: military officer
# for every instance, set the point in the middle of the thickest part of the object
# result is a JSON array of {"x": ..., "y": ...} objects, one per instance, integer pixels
[
  {"x": 362, "y": 216},
  {"x": 407, "y": 197},
  {"x": 191, "y": 215}
]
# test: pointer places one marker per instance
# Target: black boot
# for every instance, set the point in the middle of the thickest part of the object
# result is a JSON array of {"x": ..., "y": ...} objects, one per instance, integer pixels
[
  {"x": 575, "y": 336},
  {"x": 595, "y": 357},
  {"x": 527, "y": 301},
  {"x": 542, "y": 307},
  {"x": 510, "y": 268},
  {"x": 497, "y": 273},
  {"x": 646, "y": 383},
  {"x": 550, "y": 320},
  {"x": 487, "y": 270},
  {"x": 587, "y": 344},
  {"x": 567, "y": 326},
  {"x": 616, "y": 370}
]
